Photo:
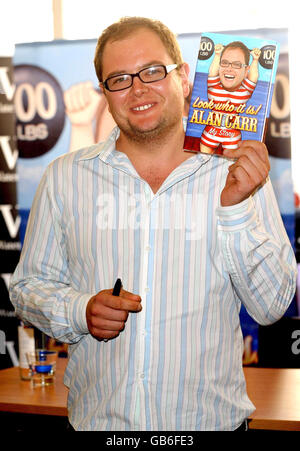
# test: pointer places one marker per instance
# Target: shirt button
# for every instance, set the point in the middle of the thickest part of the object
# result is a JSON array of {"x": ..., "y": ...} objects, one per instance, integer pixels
[
  {"x": 147, "y": 289},
  {"x": 142, "y": 376},
  {"x": 148, "y": 248}
]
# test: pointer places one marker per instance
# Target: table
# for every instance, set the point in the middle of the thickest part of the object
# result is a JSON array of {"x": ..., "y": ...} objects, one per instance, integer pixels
[
  {"x": 18, "y": 396},
  {"x": 274, "y": 392}
]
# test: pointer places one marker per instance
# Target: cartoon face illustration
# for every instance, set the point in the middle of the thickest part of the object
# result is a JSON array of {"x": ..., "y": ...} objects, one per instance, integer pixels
[{"x": 233, "y": 69}]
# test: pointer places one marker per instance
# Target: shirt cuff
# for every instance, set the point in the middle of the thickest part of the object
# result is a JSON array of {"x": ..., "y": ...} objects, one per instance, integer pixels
[
  {"x": 77, "y": 313},
  {"x": 235, "y": 218}
]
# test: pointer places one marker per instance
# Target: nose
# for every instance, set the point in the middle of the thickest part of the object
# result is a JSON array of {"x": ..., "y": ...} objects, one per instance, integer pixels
[{"x": 138, "y": 86}]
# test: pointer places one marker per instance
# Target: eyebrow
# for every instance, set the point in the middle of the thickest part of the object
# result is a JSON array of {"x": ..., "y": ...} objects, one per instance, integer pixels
[
  {"x": 144, "y": 66},
  {"x": 235, "y": 61}
]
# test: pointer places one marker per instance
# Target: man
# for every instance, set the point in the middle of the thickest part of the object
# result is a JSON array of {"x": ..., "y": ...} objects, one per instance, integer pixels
[
  {"x": 230, "y": 81},
  {"x": 190, "y": 237}
]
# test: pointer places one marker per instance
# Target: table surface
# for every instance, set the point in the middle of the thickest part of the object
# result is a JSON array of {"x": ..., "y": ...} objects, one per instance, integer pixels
[
  {"x": 19, "y": 396},
  {"x": 274, "y": 392}
]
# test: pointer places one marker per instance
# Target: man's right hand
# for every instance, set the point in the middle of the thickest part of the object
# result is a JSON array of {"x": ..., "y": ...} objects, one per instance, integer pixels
[{"x": 106, "y": 314}]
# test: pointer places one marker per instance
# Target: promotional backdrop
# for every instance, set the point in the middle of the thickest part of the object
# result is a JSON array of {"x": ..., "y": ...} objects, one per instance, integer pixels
[
  {"x": 59, "y": 108},
  {"x": 9, "y": 219}
]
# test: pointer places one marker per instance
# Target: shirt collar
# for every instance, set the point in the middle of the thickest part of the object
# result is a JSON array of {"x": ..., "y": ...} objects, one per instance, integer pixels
[
  {"x": 103, "y": 149},
  {"x": 107, "y": 152}
]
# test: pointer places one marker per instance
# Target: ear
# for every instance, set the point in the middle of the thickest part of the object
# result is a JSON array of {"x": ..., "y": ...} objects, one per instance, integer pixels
[
  {"x": 101, "y": 88},
  {"x": 103, "y": 91},
  {"x": 184, "y": 74}
]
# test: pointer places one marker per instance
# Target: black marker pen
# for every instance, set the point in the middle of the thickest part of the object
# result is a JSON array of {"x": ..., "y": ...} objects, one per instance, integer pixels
[{"x": 117, "y": 287}]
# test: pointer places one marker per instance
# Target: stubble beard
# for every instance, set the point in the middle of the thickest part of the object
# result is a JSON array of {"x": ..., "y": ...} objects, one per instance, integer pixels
[{"x": 154, "y": 136}]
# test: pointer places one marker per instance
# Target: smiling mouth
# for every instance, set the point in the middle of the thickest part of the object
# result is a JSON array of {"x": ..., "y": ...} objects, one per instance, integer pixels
[
  {"x": 229, "y": 77},
  {"x": 143, "y": 107}
]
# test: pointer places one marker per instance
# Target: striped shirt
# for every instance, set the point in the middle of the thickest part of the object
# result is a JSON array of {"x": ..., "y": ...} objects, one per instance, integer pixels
[
  {"x": 177, "y": 365},
  {"x": 217, "y": 93},
  {"x": 214, "y": 135}
]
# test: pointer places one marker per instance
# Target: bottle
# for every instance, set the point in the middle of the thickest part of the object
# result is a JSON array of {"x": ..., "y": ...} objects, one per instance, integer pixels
[{"x": 26, "y": 344}]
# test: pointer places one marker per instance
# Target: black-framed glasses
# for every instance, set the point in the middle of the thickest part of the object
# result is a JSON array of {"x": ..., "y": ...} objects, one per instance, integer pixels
[
  {"x": 150, "y": 74},
  {"x": 234, "y": 64}
]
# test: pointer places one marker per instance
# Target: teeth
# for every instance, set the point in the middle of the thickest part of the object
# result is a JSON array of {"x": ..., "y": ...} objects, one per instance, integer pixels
[
  {"x": 144, "y": 107},
  {"x": 230, "y": 77}
]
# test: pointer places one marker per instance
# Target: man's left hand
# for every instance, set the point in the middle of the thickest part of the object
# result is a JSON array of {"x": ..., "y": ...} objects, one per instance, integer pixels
[{"x": 247, "y": 173}]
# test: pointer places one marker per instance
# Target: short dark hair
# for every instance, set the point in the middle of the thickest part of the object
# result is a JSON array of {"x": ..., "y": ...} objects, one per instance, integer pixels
[
  {"x": 238, "y": 45},
  {"x": 128, "y": 25}
]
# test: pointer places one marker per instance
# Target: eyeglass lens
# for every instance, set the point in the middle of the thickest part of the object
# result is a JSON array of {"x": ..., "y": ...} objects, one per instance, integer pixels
[
  {"x": 148, "y": 75},
  {"x": 234, "y": 64}
]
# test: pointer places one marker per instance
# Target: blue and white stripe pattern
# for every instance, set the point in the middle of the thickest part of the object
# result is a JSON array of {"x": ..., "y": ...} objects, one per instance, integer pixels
[{"x": 178, "y": 363}]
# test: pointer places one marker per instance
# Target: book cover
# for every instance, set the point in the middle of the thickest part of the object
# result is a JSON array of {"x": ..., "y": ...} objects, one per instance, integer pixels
[{"x": 232, "y": 92}]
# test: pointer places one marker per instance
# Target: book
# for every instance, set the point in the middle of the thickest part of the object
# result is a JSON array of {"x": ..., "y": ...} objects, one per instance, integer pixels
[{"x": 232, "y": 92}]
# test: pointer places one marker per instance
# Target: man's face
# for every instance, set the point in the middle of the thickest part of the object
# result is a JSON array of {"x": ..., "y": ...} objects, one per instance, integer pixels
[
  {"x": 231, "y": 78},
  {"x": 144, "y": 111}
]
